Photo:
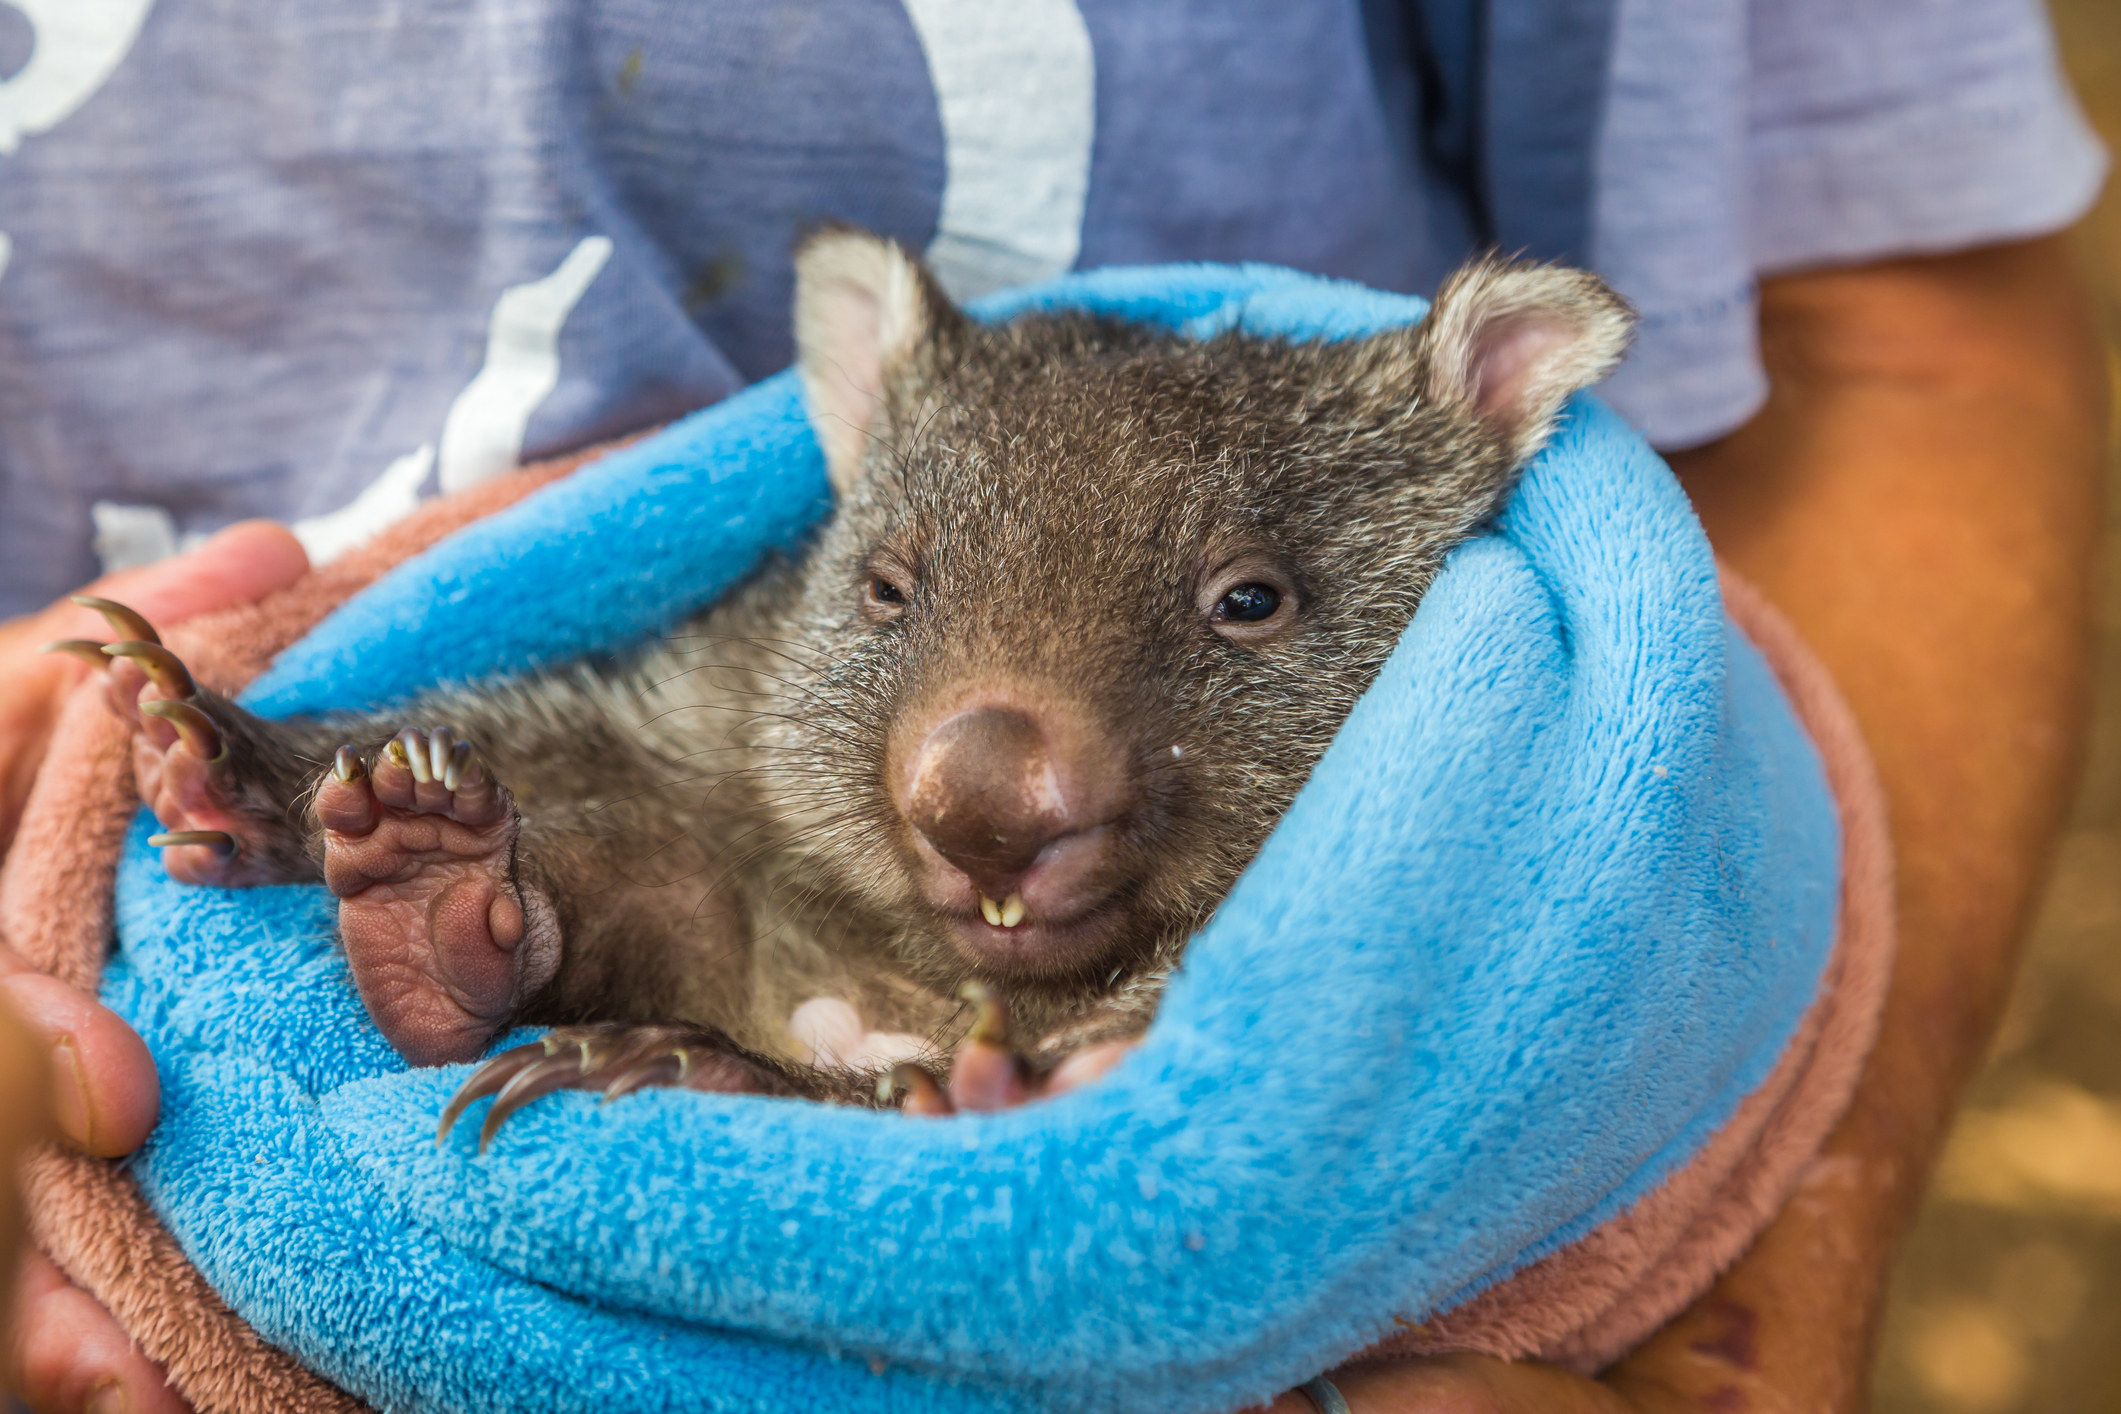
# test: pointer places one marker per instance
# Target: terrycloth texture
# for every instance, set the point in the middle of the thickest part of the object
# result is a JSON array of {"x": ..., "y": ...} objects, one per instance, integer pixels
[
  {"x": 1557, "y": 902},
  {"x": 1594, "y": 1300}
]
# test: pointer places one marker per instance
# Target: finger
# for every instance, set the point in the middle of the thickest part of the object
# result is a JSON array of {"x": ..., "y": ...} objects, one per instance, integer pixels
[
  {"x": 69, "y": 1354},
  {"x": 239, "y": 565},
  {"x": 104, "y": 1089}
]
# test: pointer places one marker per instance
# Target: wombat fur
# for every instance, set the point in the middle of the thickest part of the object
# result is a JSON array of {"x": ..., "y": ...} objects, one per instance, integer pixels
[{"x": 1094, "y": 600}]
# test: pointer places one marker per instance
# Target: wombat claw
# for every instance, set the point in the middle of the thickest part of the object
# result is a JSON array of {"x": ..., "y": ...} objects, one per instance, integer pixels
[
  {"x": 137, "y": 640},
  {"x": 219, "y": 841},
  {"x": 86, "y": 649},
  {"x": 194, "y": 726},
  {"x": 431, "y": 756},
  {"x": 164, "y": 668},
  {"x": 990, "y": 1013},
  {"x": 127, "y": 623},
  {"x": 612, "y": 1058},
  {"x": 909, "y": 1087}
]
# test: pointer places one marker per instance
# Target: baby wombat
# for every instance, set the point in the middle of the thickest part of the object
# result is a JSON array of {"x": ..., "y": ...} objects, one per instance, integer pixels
[{"x": 1094, "y": 601}]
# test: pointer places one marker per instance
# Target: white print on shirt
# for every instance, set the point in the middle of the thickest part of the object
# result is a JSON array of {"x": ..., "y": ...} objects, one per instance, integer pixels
[
  {"x": 387, "y": 500},
  {"x": 127, "y": 536},
  {"x": 482, "y": 436},
  {"x": 1016, "y": 86},
  {"x": 79, "y": 44}
]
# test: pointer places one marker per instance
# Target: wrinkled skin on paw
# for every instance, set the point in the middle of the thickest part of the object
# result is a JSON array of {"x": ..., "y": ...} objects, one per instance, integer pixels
[
  {"x": 988, "y": 1073},
  {"x": 420, "y": 848},
  {"x": 414, "y": 836}
]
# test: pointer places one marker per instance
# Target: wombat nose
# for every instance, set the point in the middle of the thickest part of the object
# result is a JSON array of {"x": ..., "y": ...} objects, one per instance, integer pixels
[{"x": 988, "y": 792}]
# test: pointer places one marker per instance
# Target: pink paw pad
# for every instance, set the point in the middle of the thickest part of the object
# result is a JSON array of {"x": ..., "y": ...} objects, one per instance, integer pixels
[
  {"x": 420, "y": 849},
  {"x": 987, "y": 1072}
]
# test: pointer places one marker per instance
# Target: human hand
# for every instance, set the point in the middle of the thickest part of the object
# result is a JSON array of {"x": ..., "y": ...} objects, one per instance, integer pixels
[
  {"x": 240, "y": 565},
  {"x": 70, "y": 1064},
  {"x": 66, "y": 1351}
]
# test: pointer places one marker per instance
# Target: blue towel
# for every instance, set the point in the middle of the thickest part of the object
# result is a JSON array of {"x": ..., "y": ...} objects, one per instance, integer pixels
[{"x": 1553, "y": 903}]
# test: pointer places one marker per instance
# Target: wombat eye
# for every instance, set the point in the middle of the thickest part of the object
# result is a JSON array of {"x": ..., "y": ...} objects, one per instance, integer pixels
[
  {"x": 1248, "y": 604},
  {"x": 1251, "y": 601},
  {"x": 882, "y": 600}
]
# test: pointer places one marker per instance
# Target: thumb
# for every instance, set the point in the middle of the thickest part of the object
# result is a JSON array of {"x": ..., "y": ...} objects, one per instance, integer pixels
[{"x": 239, "y": 565}]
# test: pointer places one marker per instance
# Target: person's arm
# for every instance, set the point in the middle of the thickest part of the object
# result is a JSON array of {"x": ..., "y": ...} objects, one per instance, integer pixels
[
  {"x": 1922, "y": 498},
  {"x": 64, "y": 1351}
]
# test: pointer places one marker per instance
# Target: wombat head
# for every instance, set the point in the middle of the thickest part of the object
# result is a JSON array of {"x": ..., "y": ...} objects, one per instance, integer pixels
[{"x": 1097, "y": 596}]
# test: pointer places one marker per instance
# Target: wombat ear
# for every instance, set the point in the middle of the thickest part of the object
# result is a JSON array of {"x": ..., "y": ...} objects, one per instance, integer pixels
[
  {"x": 865, "y": 311},
  {"x": 1509, "y": 342}
]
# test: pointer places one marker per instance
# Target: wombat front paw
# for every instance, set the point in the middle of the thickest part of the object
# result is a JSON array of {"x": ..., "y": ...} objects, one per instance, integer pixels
[
  {"x": 988, "y": 1072},
  {"x": 181, "y": 765},
  {"x": 420, "y": 846},
  {"x": 616, "y": 1059}
]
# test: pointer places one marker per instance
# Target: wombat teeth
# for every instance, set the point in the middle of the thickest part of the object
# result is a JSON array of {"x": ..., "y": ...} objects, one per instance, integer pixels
[{"x": 1006, "y": 914}]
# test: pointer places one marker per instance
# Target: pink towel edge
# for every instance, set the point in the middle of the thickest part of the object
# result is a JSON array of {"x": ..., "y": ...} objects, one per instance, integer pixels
[
  {"x": 1590, "y": 1303},
  {"x": 56, "y": 884}
]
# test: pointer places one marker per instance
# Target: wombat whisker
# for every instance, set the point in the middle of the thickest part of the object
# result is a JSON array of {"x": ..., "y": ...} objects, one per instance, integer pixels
[
  {"x": 796, "y": 690},
  {"x": 752, "y": 716},
  {"x": 792, "y": 841},
  {"x": 775, "y": 646}
]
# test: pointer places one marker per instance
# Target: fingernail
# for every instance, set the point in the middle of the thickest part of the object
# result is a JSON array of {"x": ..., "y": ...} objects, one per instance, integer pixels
[
  {"x": 109, "y": 1398},
  {"x": 70, "y": 1095}
]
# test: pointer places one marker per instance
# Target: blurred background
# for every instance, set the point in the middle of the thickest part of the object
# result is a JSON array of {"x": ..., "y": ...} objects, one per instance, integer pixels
[{"x": 2009, "y": 1295}]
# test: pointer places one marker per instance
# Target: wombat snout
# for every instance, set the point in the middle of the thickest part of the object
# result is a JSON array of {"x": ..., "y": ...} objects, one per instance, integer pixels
[{"x": 1015, "y": 811}]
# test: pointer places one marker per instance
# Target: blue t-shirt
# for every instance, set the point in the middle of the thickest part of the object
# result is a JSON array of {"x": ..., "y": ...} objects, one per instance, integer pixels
[{"x": 318, "y": 259}]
